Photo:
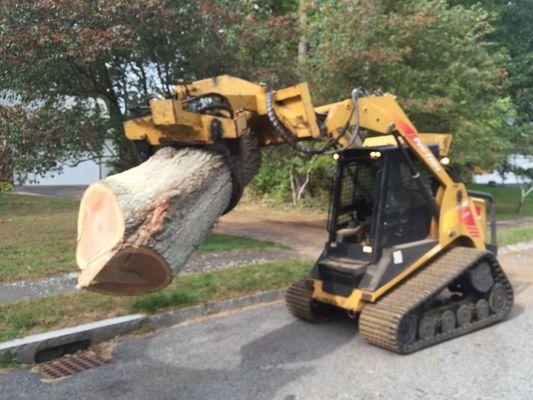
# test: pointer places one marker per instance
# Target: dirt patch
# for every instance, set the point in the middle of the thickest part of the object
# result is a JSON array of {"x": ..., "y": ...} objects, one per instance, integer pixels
[{"x": 305, "y": 232}]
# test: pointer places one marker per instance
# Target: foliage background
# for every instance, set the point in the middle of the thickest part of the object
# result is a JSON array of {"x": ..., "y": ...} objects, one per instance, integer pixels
[{"x": 456, "y": 66}]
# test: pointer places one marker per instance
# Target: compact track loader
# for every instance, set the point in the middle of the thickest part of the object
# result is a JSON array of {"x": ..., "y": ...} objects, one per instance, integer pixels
[{"x": 408, "y": 250}]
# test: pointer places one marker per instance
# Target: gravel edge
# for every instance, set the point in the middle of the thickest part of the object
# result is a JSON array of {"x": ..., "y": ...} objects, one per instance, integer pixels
[{"x": 516, "y": 247}]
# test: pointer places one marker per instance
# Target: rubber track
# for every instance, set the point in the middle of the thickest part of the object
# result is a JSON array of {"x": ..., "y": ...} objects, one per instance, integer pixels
[
  {"x": 379, "y": 322},
  {"x": 299, "y": 301}
]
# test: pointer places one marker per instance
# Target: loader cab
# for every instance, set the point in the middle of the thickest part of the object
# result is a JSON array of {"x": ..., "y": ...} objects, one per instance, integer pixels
[{"x": 376, "y": 208}]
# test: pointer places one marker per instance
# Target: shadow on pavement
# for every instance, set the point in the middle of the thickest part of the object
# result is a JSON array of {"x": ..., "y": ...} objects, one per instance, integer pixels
[{"x": 298, "y": 341}]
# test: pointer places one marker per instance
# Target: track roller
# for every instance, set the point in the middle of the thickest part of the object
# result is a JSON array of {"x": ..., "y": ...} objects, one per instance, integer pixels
[
  {"x": 414, "y": 315},
  {"x": 300, "y": 303}
]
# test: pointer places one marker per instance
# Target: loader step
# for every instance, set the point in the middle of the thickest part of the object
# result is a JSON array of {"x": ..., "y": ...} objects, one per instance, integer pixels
[
  {"x": 412, "y": 316},
  {"x": 346, "y": 264}
]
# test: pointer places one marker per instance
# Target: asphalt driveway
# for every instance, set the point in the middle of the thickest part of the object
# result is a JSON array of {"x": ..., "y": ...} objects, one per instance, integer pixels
[{"x": 263, "y": 353}]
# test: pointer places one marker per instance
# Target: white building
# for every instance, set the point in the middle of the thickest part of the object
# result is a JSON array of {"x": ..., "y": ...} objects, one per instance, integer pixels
[
  {"x": 510, "y": 178},
  {"x": 84, "y": 173}
]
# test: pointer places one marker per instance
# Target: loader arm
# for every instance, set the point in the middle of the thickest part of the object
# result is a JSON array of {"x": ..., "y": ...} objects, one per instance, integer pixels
[
  {"x": 225, "y": 109},
  {"x": 242, "y": 105},
  {"x": 383, "y": 115}
]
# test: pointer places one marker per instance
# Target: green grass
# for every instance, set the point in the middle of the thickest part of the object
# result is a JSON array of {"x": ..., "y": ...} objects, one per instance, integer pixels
[
  {"x": 8, "y": 361},
  {"x": 219, "y": 242},
  {"x": 514, "y": 235},
  {"x": 38, "y": 237},
  {"x": 40, "y": 315},
  {"x": 506, "y": 201}
]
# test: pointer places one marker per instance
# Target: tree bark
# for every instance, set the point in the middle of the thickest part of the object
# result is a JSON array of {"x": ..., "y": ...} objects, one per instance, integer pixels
[
  {"x": 523, "y": 194},
  {"x": 137, "y": 229},
  {"x": 302, "y": 43}
]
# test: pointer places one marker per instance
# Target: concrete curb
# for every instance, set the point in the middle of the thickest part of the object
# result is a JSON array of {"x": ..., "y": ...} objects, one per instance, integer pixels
[
  {"x": 27, "y": 349},
  {"x": 57, "y": 343}
]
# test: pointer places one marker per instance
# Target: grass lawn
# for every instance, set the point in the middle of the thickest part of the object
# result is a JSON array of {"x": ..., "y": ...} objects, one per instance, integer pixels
[
  {"x": 506, "y": 201},
  {"x": 38, "y": 237},
  {"x": 219, "y": 242},
  {"x": 515, "y": 235},
  {"x": 44, "y": 314}
]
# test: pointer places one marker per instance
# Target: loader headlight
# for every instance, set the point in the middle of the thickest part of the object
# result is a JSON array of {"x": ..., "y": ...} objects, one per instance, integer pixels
[
  {"x": 445, "y": 161},
  {"x": 336, "y": 156}
]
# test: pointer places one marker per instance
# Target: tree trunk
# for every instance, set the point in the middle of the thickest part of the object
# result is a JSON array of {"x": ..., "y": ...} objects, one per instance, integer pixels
[
  {"x": 523, "y": 194},
  {"x": 6, "y": 174},
  {"x": 293, "y": 187},
  {"x": 137, "y": 229},
  {"x": 302, "y": 43},
  {"x": 127, "y": 156}
]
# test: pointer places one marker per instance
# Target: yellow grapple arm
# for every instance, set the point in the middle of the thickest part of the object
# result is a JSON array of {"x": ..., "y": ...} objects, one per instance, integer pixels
[{"x": 225, "y": 108}]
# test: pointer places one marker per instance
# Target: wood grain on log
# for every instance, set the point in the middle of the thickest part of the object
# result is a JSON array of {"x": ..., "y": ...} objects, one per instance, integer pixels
[{"x": 137, "y": 229}]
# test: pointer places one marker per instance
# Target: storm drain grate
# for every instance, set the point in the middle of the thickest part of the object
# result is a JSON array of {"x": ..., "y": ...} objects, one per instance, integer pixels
[{"x": 69, "y": 365}]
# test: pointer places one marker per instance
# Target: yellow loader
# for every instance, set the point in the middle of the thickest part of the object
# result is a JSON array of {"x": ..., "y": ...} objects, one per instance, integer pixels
[{"x": 408, "y": 250}]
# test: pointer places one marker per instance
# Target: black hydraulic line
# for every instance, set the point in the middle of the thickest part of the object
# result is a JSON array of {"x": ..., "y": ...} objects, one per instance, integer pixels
[
  {"x": 205, "y": 95},
  {"x": 287, "y": 136},
  {"x": 280, "y": 129},
  {"x": 430, "y": 201},
  {"x": 215, "y": 107},
  {"x": 222, "y": 103}
]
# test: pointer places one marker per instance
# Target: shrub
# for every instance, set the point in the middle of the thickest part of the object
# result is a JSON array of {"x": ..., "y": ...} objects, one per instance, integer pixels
[{"x": 6, "y": 187}]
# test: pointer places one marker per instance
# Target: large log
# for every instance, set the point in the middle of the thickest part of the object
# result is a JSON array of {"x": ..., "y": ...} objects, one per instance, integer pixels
[{"x": 136, "y": 229}]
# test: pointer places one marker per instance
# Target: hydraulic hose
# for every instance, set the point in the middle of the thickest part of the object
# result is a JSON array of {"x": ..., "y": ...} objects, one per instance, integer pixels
[{"x": 291, "y": 141}]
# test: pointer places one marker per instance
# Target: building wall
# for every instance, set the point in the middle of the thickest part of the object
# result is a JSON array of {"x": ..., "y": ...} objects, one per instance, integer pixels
[
  {"x": 83, "y": 174},
  {"x": 510, "y": 178}
]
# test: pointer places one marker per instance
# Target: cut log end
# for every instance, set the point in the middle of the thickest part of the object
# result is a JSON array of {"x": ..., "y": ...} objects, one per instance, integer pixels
[
  {"x": 137, "y": 229},
  {"x": 100, "y": 226},
  {"x": 129, "y": 271},
  {"x": 107, "y": 266}
]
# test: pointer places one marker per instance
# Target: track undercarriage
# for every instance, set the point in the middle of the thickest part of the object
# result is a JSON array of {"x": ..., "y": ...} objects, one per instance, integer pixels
[{"x": 461, "y": 291}]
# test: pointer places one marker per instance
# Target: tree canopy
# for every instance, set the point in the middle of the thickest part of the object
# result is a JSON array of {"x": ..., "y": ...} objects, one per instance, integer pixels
[
  {"x": 448, "y": 64},
  {"x": 33, "y": 139},
  {"x": 120, "y": 51},
  {"x": 456, "y": 66},
  {"x": 434, "y": 57}
]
